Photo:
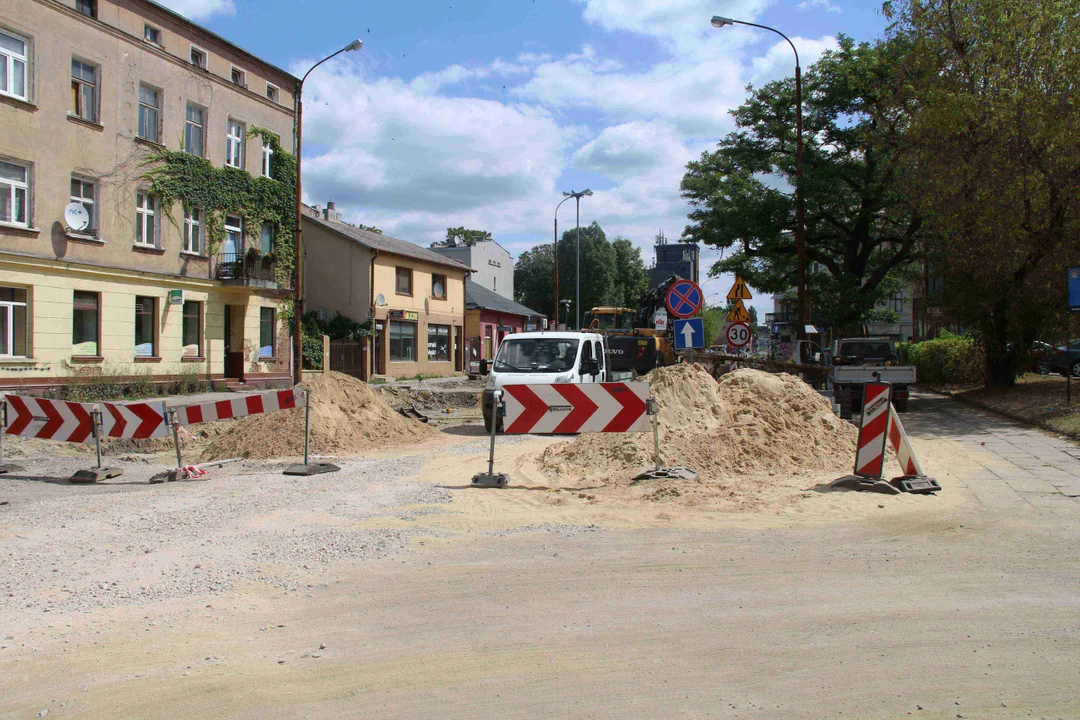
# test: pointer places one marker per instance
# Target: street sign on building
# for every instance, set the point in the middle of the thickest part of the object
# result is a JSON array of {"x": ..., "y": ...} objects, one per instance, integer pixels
[
  {"x": 684, "y": 298},
  {"x": 689, "y": 334}
]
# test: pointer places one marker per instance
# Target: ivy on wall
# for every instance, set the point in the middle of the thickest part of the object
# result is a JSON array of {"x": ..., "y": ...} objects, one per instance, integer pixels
[{"x": 179, "y": 176}]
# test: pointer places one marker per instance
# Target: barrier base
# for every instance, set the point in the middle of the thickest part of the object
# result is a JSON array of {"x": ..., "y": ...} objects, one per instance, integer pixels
[
  {"x": 917, "y": 484},
  {"x": 861, "y": 484},
  {"x": 10, "y": 468},
  {"x": 668, "y": 473},
  {"x": 489, "y": 480},
  {"x": 311, "y": 469},
  {"x": 173, "y": 476},
  {"x": 94, "y": 475}
]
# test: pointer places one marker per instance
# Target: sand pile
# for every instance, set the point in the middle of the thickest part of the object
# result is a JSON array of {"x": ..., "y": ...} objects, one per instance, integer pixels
[
  {"x": 749, "y": 422},
  {"x": 347, "y": 417}
]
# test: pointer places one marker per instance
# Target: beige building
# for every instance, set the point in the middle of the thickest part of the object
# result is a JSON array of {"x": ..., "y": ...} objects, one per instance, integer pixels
[
  {"x": 416, "y": 296},
  {"x": 89, "y": 90}
]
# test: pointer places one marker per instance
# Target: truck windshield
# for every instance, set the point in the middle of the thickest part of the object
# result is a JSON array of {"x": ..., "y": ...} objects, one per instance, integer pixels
[
  {"x": 865, "y": 350},
  {"x": 537, "y": 355}
]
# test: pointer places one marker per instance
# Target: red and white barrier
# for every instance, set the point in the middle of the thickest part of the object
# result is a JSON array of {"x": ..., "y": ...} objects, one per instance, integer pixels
[
  {"x": 873, "y": 430},
  {"x": 137, "y": 421},
  {"x": 49, "y": 419},
  {"x": 568, "y": 408},
  {"x": 905, "y": 453},
  {"x": 240, "y": 407}
]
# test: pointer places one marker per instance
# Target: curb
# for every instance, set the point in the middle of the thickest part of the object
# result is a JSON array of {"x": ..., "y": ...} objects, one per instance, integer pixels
[{"x": 1005, "y": 414}]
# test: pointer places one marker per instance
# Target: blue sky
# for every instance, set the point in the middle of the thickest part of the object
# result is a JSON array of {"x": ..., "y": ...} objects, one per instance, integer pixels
[{"x": 481, "y": 112}]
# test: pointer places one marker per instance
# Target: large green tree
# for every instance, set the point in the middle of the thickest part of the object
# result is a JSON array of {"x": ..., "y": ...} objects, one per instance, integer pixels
[
  {"x": 534, "y": 284},
  {"x": 995, "y": 159},
  {"x": 862, "y": 232},
  {"x": 465, "y": 236},
  {"x": 630, "y": 278}
]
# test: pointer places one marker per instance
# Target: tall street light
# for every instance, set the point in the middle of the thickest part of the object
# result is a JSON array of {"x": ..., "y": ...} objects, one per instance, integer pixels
[
  {"x": 557, "y": 259},
  {"x": 298, "y": 275},
  {"x": 802, "y": 318},
  {"x": 577, "y": 274}
]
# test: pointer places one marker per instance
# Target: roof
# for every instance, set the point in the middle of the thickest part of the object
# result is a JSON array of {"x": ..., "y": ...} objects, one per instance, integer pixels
[
  {"x": 387, "y": 244},
  {"x": 478, "y": 296}
]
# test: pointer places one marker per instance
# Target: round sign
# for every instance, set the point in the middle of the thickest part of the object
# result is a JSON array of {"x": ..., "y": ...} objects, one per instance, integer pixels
[
  {"x": 76, "y": 216},
  {"x": 684, "y": 298},
  {"x": 738, "y": 334}
]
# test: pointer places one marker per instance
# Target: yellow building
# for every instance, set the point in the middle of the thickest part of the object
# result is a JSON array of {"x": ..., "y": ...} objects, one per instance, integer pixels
[
  {"x": 416, "y": 296},
  {"x": 98, "y": 276}
]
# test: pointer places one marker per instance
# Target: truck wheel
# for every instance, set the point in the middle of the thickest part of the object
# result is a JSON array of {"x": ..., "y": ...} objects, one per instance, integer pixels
[{"x": 900, "y": 405}]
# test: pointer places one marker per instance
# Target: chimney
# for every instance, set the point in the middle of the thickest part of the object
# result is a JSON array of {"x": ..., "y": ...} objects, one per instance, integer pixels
[{"x": 331, "y": 212}]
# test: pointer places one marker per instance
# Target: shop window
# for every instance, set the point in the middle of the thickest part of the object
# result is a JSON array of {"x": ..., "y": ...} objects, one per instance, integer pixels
[
  {"x": 267, "y": 330},
  {"x": 192, "y": 329},
  {"x": 85, "y": 325},
  {"x": 403, "y": 281},
  {"x": 12, "y": 322},
  {"x": 145, "y": 317},
  {"x": 438, "y": 340},
  {"x": 402, "y": 341}
]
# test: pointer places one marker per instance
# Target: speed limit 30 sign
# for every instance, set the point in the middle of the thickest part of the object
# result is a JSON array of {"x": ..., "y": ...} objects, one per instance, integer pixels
[{"x": 738, "y": 334}]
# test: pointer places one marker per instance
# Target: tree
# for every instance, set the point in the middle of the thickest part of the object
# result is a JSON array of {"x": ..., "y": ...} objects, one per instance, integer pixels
[
  {"x": 994, "y": 159},
  {"x": 597, "y": 269},
  {"x": 534, "y": 279},
  {"x": 464, "y": 236},
  {"x": 862, "y": 232},
  {"x": 630, "y": 279}
]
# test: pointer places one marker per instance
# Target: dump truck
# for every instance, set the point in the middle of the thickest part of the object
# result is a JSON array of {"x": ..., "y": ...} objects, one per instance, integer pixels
[{"x": 857, "y": 361}]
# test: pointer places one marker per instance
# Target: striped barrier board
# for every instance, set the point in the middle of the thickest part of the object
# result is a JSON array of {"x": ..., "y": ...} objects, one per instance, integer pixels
[
  {"x": 49, "y": 419},
  {"x": 570, "y": 408},
  {"x": 137, "y": 421},
  {"x": 905, "y": 454},
  {"x": 873, "y": 430},
  {"x": 240, "y": 407}
]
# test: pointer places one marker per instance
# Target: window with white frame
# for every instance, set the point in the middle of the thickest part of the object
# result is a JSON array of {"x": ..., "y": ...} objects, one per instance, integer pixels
[
  {"x": 14, "y": 193},
  {"x": 83, "y": 192},
  {"x": 267, "y": 158},
  {"x": 271, "y": 92},
  {"x": 146, "y": 220},
  {"x": 198, "y": 57},
  {"x": 266, "y": 239},
  {"x": 193, "y": 231},
  {"x": 84, "y": 90},
  {"x": 13, "y": 54},
  {"x": 234, "y": 145},
  {"x": 149, "y": 113},
  {"x": 12, "y": 322},
  {"x": 238, "y": 77},
  {"x": 195, "y": 130},
  {"x": 233, "y": 247}
]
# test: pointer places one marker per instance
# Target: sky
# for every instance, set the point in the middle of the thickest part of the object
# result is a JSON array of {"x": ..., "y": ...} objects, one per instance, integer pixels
[{"x": 482, "y": 112}]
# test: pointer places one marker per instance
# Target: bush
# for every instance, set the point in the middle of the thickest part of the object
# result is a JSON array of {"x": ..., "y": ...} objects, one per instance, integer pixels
[{"x": 948, "y": 359}]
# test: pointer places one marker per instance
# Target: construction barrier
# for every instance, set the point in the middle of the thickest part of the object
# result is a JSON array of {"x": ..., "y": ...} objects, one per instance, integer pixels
[
  {"x": 873, "y": 430},
  {"x": 240, "y": 407},
  {"x": 48, "y": 419}
]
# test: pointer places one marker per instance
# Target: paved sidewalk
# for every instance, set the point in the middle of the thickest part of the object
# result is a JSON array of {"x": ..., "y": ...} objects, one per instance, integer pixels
[{"x": 1015, "y": 462}]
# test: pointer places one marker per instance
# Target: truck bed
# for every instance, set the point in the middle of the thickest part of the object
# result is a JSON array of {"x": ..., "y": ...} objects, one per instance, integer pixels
[{"x": 854, "y": 374}]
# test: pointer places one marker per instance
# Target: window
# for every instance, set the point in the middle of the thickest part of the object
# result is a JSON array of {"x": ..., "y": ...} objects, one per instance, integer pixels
[
  {"x": 438, "y": 342},
  {"x": 12, "y": 65},
  {"x": 192, "y": 332},
  {"x": 238, "y": 77},
  {"x": 267, "y": 158},
  {"x": 145, "y": 311},
  {"x": 234, "y": 145},
  {"x": 193, "y": 231},
  {"x": 84, "y": 90},
  {"x": 404, "y": 281},
  {"x": 198, "y": 57},
  {"x": 87, "y": 7},
  {"x": 146, "y": 220},
  {"x": 151, "y": 34},
  {"x": 12, "y": 322},
  {"x": 267, "y": 325},
  {"x": 195, "y": 130},
  {"x": 271, "y": 93},
  {"x": 266, "y": 239},
  {"x": 438, "y": 287},
  {"x": 896, "y": 303},
  {"x": 84, "y": 324},
  {"x": 234, "y": 239},
  {"x": 402, "y": 341},
  {"x": 82, "y": 192},
  {"x": 14, "y": 189},
  {"x": 149, "y": 114}
]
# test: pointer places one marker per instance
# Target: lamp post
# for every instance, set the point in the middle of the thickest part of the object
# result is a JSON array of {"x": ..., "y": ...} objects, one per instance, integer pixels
[
  {"x": 577, "y": 274},
  {"x": 802, "y": 318},
  {"x": 298, "y": 274},
  {"x": 557, "y": 259}
]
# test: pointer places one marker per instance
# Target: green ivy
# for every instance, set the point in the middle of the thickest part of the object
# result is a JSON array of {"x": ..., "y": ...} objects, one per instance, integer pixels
[{"x": 195, "y": 183}]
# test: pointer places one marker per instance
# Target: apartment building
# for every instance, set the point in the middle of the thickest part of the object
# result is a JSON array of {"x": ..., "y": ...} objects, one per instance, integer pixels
[
  {"x": 493, "y": 266},
  {"x": 98, "y": 275}
]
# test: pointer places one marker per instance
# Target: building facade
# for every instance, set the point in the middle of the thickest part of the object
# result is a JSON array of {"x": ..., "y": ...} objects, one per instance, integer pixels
[
  {"x": 491, "y": 262},
  {"x": 416, "y": 297},
  {"x": 97, "y": 275},
  {"x": 681, "y": 259},
  {"x": 490, "y": 317}
]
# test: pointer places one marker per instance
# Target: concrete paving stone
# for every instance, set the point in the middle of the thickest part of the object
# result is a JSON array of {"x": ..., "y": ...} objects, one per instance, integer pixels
[
  {"x": 1052, "y": 501},
  {"x": 1025, "y": 485}
]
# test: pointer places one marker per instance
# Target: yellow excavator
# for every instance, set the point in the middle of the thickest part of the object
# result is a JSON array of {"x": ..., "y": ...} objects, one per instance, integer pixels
[{"x": 633, "y": 343}]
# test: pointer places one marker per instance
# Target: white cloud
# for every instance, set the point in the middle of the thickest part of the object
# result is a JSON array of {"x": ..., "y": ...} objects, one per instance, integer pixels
[
  {"x": 779, "y": 61},
  {"x": 827, "y": 5},
  {"x": 621, "y": 152},
  {"x": 200, "y": 9},
  {"x": 676, "y": 22}
]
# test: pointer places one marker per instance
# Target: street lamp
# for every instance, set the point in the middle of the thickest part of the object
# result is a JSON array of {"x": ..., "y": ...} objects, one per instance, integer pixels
[
  {"x": 577, "y": 279},
  {"x": 557, "y": 259},
  {"x": 801, "y": 315},
  {"x": 298, "y": 296}
]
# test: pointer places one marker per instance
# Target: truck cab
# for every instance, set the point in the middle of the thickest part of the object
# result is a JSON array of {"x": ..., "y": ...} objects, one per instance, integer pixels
[
  {"x": 857, "y": 361},
  {"x": 544, "y": 358}
]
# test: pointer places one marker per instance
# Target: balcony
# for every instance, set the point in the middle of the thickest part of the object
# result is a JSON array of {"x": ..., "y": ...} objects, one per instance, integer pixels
[{"x": 251, "y": 269}]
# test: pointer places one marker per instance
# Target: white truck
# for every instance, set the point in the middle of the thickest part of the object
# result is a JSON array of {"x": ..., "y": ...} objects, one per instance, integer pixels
[
  {"x": 543, "y": 358},
  {"x": 857, "y": 361}
]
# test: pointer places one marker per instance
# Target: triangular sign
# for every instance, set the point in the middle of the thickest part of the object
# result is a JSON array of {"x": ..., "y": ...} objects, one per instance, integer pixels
[
  {"x": 739, "y": 291},
  {"x": 738, "y": 313}
]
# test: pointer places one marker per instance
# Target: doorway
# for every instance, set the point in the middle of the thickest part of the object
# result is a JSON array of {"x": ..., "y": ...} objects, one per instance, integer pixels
[{"x": 234, "y": 342}]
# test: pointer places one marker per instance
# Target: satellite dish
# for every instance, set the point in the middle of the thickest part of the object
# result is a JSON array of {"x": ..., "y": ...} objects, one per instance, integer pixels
[
  {"x": 380, "y": 300},
  {"x": 426, "y": 305},
  {"x": 76, "y": 217}
]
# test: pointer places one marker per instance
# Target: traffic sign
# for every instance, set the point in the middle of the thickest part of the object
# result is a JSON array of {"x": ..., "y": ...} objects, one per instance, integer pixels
[
  {"x": 739, "y": 291},
  {"x": 738, "y": 334},
  {"x": 689, "y": 334},
  {"x": 738, "y": 313},
  {"x": 574, "y": 408},
  {"x": 684, "y": 298},
  {"x": 660, "y": 319}
]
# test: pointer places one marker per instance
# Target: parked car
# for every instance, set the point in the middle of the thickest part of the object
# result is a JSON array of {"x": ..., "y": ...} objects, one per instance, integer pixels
[
  {"x": 1039, "y": 359},
  {"x": 1066, "y": 360}
]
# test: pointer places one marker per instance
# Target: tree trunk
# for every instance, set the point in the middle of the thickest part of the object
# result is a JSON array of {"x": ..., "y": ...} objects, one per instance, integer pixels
[{"x": 999, "y": 367}]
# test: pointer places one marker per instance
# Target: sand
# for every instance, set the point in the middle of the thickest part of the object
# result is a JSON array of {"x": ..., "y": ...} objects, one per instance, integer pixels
[{"x": 348, "y": 417}]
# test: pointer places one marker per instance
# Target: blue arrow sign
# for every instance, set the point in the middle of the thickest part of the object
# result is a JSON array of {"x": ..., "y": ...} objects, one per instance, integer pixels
[
  {"x": 1074, "y": 287},
  {"x": 689, "y": 334}
]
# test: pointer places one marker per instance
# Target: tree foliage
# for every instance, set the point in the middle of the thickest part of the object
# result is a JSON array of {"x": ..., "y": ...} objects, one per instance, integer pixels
[
  {"x": 464, "y": 236},
  {"x": 630, "y": 278}
]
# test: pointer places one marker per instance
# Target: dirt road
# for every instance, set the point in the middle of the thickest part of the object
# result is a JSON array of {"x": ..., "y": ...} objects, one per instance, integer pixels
[{"x": 529, "y": 603}]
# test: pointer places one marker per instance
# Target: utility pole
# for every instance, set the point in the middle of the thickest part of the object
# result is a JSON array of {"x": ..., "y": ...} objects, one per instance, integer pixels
[{"x": 577, "y": 274}]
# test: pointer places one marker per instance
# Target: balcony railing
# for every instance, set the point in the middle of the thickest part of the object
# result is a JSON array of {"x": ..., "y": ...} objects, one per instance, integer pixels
[{"x": 246, "y": 269}]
